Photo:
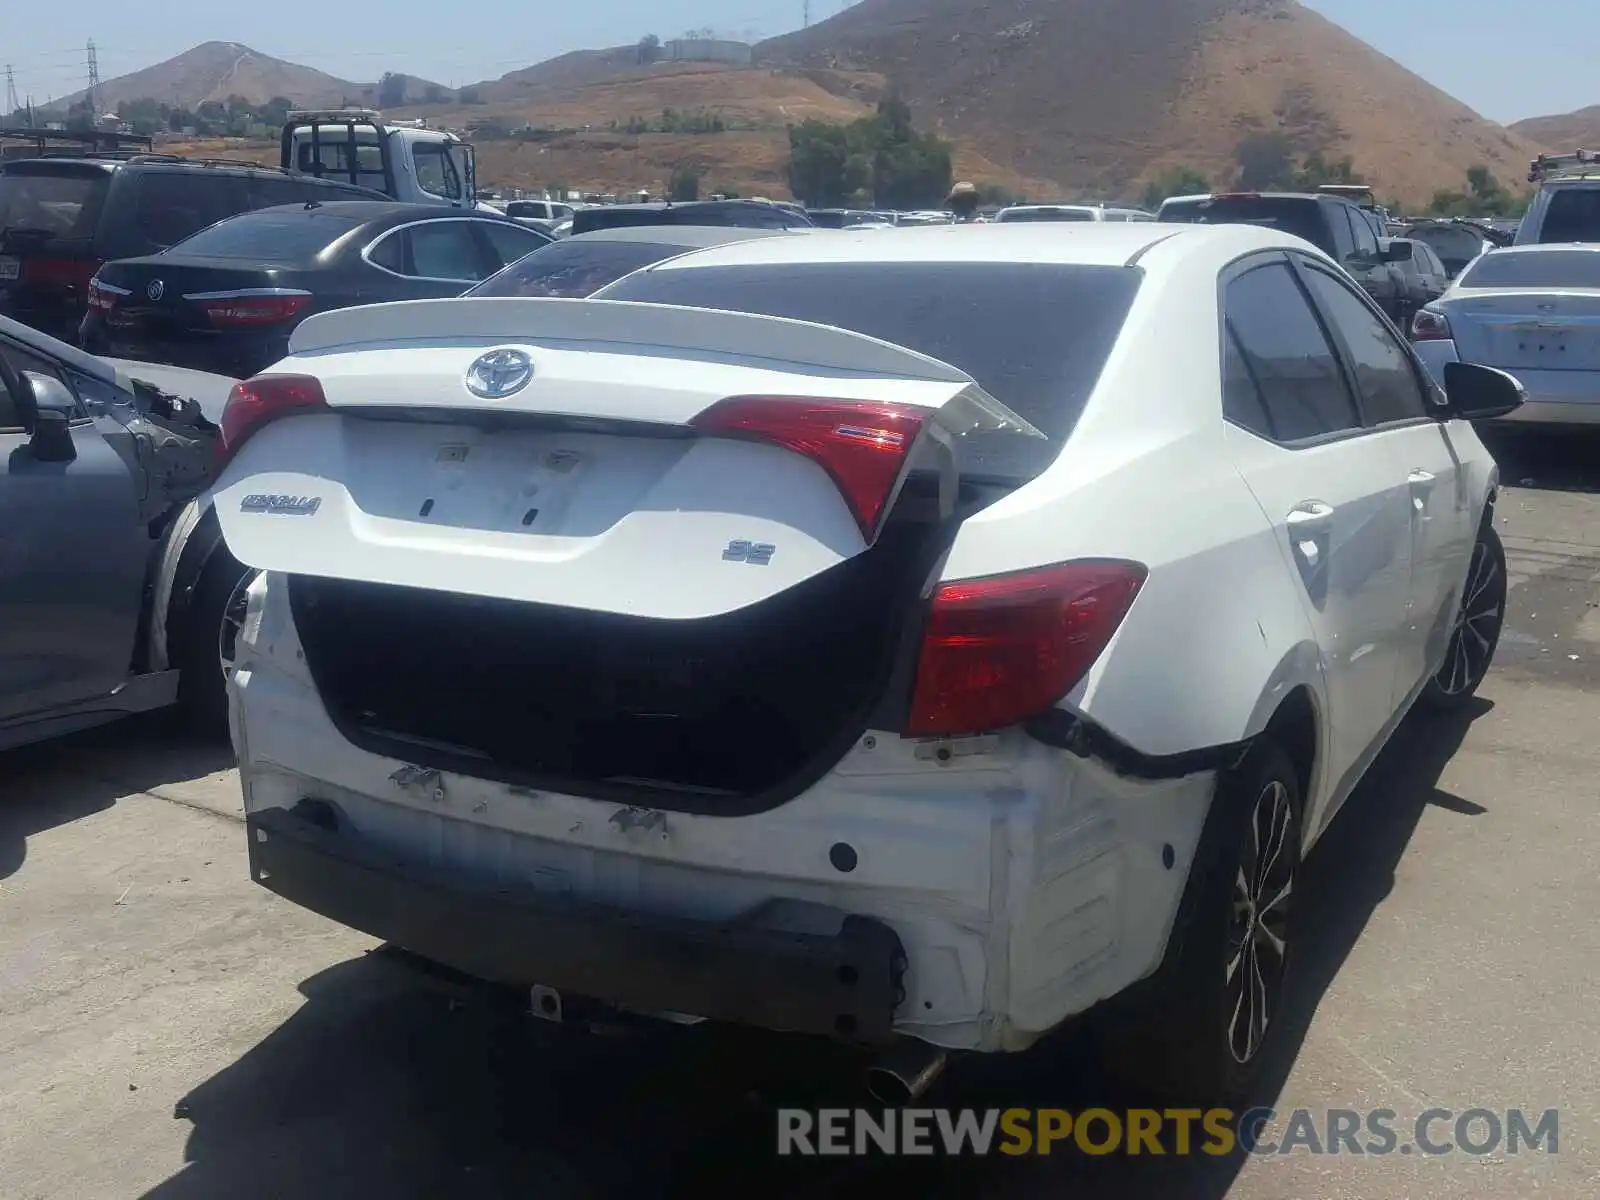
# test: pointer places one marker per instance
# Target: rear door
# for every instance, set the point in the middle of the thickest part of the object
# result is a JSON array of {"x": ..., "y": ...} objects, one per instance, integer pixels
[
  {"x": 1394, "y": 406},
  {"x": 50, "y": 214},
  {"x": 1334, "y": 490},
  {"x": 1364, "y": 262},
  {"x": 158, "y": 208},
  {"x": 428, "y": 259},
  {"x": 72, "y": 562}
]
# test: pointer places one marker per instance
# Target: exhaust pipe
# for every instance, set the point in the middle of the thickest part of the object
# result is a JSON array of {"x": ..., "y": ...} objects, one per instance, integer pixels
[{"x": 904, "y": 1072}]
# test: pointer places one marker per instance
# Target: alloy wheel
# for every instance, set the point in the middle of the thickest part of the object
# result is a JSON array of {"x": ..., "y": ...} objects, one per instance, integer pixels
[
  {"x": 233, "y": 614},
  {"x": 1258, "y": 934},
  {"x": 1477, "y": 625}
]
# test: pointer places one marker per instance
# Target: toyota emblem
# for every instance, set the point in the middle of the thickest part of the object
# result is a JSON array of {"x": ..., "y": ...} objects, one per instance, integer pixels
[
  {"x": 156, "y": 289},
  {"x": 499, "y": 373}
]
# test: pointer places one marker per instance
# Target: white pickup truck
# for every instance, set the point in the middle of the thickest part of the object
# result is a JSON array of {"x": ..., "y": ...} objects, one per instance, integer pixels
[{"x": 403, "y": 159}]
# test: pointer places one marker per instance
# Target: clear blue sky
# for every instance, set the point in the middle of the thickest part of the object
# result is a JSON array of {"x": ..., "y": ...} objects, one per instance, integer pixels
[{"x": 1507, "y": 60}]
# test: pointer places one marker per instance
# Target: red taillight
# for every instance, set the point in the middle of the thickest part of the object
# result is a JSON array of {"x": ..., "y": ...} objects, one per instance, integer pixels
[
  {"x": 862, "y": 445},
  {"x": 62, "y": 272},
  {"x": 233, "y": 312},
  {"x": 1428, "y": 326},
  {"x": 1004, "y": 648},
  {"x": 259, "y": 401}
]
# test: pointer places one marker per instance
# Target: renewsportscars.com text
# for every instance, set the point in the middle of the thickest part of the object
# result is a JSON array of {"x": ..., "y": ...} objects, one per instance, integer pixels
[{"x": 1172, "y": 1131}]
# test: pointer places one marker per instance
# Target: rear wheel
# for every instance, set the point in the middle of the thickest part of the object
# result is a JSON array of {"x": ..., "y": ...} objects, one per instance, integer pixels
[
  {"x": 1216, "y": 1009},
  {"x": 1475, "y": 633},
  {"x": 203, "y": 650}
]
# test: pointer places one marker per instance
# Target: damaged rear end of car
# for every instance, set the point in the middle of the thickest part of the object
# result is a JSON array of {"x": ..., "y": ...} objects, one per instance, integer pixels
[{"x": 607, "y": 647}]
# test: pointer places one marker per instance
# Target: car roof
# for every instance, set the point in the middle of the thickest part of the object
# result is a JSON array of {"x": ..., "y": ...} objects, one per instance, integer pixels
[
  {"x": 688, "y": 236},
  {"x": 1087, "y": 243},
  {"x": 381, "y": 210}
]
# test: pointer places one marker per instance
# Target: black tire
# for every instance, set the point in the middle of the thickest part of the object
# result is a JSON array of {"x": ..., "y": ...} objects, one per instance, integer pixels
[
  {"x": 197, "y": 649},
  {"x": 1191, "y": 1037},
  {"x": 1475, "y": 631}
]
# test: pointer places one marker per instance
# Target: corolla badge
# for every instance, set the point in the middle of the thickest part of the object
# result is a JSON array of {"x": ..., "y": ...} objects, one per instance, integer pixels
[
  {"x": 156, "y": 289},
  {"x": 499, "y": 373},
  {"x": 284, "y": 506}
]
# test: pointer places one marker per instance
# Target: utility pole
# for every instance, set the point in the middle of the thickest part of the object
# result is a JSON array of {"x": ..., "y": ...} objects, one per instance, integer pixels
[
  {"x": 94, "y": 81},
  {"x": 805, "y": 14},
  {"x": 12, "y": 103}
]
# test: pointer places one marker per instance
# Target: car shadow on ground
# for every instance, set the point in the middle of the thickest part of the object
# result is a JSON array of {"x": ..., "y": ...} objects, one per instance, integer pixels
[
  {"x": 1563, "y": 461},
  {"x": 380, "y": 1085},
  {"x": 57, "y": 782}
]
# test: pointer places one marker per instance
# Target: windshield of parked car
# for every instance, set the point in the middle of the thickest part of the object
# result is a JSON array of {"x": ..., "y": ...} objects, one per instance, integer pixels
[
  {"x": 1455, "y": 245},
  {"x": 269, "y": 235},
  {"x": 56, "y": 204},
  {"x": 573, "y": 268},
  {"x": 1035, "y": 336},
  {"x": 1540, "y": 269},
  {"x": 1297, "y": 215}
]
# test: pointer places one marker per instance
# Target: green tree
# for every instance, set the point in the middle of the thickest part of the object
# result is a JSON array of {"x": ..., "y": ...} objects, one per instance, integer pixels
[
  {"x": 1318, "y": 170},
  {"x": 1266, "y": 162},
  {"x": 392, "y": 90},
  {"x": 881, "y": 156},
  {"x": 685, "y": 184},
  {"x": 649, "y": 49},
  {"x": 1174, "y": 181}
]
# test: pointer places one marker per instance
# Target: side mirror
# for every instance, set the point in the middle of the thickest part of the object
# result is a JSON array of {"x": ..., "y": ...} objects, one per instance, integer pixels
[
  {"x": 47, "y": 411},
  {"x": 1398, "y": 252},
  {"x": 1479, "y": 393}
]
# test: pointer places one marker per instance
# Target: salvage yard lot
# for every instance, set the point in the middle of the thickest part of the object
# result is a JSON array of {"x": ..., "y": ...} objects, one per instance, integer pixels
[{"x": 168, "y": 1029}]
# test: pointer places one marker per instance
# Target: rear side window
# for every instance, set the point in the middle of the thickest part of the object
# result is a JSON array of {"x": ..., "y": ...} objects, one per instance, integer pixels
[
  {"x": 1573, "y": 216},
  {"x": 1300, "y": 216},
  {"x": 445, "y": 250},
  {"x": 1287, "y": 355},
  {"x": 1535, "y": 268},
  {"x": 567, "y": 269},
  {"x": 1389, "y": 387},
  {"x": 1035, "y": 336},
  {"x": 284, "y": 236},
  {"x": 63, "y": 204},
  {"x": 510, "y": 242},
  {"x": 168, "y": 206}
]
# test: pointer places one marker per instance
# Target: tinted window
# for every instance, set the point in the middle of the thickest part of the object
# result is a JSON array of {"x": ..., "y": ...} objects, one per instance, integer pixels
[
  {"x": 169, "y": 206},
  {"x": 1033, "y": 336},
  {"x": 436, "y": 173},
  {"x": 1366, "y": 239},
  {"x": 1388, "y": 386},
  {"x": 1292, "y": 214},
  {"x": 63, "y": 205},
  {"x": 1047, "y": 214},
  {"x": 1241, "y": 397},
  {"x": 1286, "y": 351},
  {"x": 1535, "y": 268},
  {"x": 1455, "y": 246},
  {"x": 1344, "y": 236},
  {"x": 278, "y": 235},
  {"x": 1573, "y": 216},
  {"x": 445, "y": 250},
  {"x": 389, "y": 252},
  {"x": 511, "y": 242},
  {"x": 573, "y": 268}
]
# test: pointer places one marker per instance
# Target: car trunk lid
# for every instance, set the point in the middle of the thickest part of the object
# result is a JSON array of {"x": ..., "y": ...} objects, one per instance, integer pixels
[
  {"x": 616, "y": 478},
  {"x": 1529, "y": 329}
]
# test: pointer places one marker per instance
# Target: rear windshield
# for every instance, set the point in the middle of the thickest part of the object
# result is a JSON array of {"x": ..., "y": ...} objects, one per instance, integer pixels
[
  {"x": 54, "y": 204},
  {"x": 1456, "y": 246},
  {"x": 1292, "y": 214},
  {"x": 290, "y": 236},
  {"x": 1543, "y": 269},
  {"x": 1573, "y": 216},
  {"x": 1034, "y": 336},
  {"x": 573, "y": 268},
  {"x": 1048, "y": 214},
  {"x": 743, "y": 216}
]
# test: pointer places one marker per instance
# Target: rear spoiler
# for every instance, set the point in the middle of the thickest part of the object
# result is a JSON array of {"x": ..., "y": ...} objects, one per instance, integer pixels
[{"x": 621, "y": 323}]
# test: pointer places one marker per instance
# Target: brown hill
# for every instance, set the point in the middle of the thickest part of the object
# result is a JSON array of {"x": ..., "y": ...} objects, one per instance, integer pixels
[
  {"x": 1564, "y": 133},
  {"x": 217, "y": 70},
  {"x": 1098, "y": 94}
]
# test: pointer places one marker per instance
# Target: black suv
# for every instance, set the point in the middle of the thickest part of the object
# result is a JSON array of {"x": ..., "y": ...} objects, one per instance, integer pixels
[
  {"x": 1344, "y": 231},
  {"x": 62, "y": 216}
]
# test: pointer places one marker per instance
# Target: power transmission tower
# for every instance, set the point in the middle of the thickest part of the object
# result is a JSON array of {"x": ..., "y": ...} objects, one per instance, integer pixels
[
  {"x": 805, "y": 14},
  {"x": 12, "y": 102},
  {"x": 94, "y": 80}
]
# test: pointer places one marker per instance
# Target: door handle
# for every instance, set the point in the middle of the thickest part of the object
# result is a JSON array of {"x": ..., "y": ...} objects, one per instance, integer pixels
[
  {"x": 1422, "y": 480},
  {"x": 1309, "y": 518}
]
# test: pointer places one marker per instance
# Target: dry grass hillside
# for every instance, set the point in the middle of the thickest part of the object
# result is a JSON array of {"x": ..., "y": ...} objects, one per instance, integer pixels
[
  {"x": 1098, "y": 94},
  {"x": 1564, "y": 133},
  {"x": 217, "y": 70}
]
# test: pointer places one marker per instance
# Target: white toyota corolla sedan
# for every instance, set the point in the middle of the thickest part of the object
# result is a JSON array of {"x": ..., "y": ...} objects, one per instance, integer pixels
[{"x": 912, "y": 638}]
